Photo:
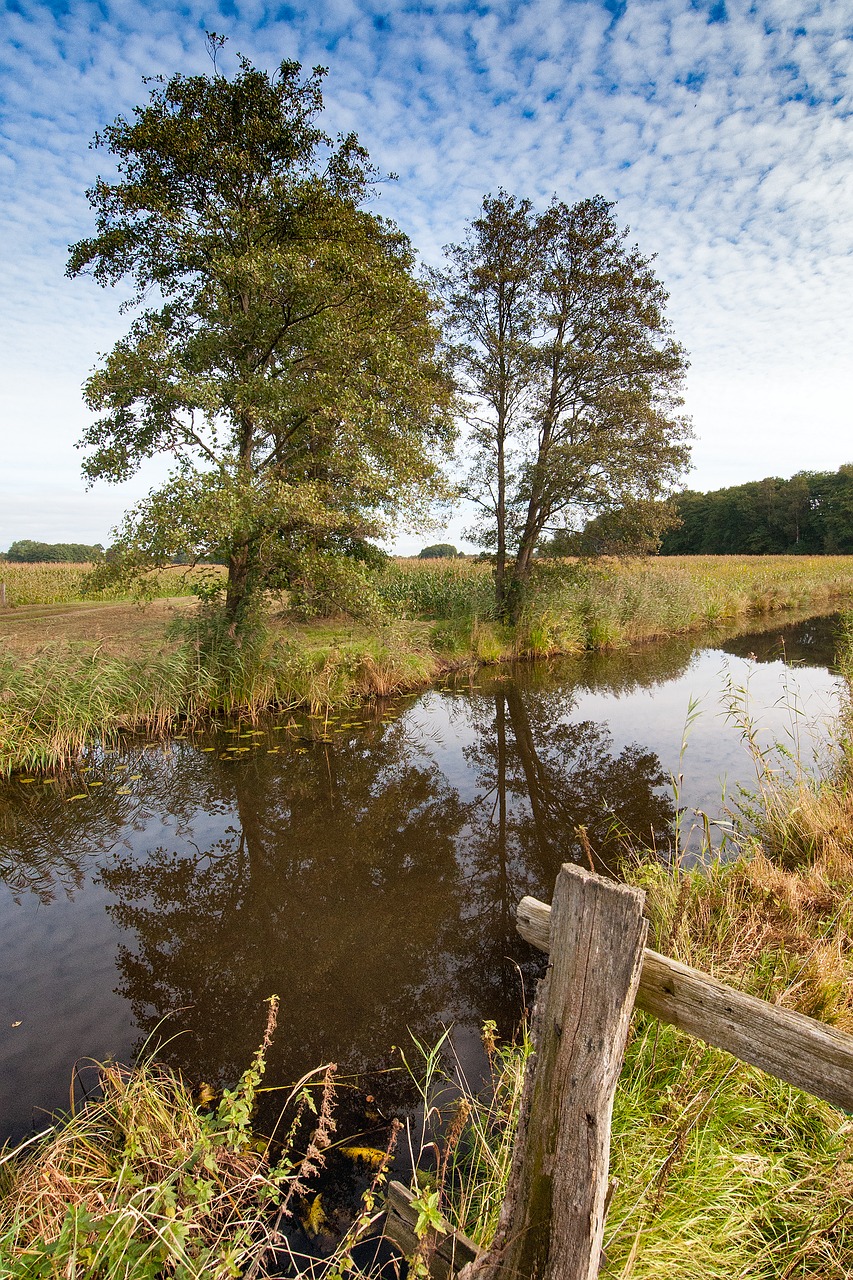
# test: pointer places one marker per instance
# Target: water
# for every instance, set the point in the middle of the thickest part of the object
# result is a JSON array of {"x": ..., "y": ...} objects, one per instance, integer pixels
[{"x": 366, "y": 869}]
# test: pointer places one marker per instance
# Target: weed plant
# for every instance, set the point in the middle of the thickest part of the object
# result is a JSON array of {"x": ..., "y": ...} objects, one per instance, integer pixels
[{"x": 141, "y": 1184}]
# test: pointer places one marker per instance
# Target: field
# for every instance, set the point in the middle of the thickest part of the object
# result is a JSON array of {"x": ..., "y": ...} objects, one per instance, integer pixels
[
  {"x": 74, "y": 669},
  {"x": 41, "y": 584}
]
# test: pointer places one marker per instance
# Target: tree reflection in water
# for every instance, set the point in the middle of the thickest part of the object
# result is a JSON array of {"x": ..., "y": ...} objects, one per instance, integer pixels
[
  {"x": 353, "y": 880},
  {"x": 371, "y": 881}
]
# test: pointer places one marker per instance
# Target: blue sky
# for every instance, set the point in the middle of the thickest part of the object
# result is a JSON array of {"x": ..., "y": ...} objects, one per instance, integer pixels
[{"x": 722, "y": 129}]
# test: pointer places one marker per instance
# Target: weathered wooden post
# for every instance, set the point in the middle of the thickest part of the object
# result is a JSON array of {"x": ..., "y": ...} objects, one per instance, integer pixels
[
  {"x": 552, "y": 1221},
  {"x": 2, "y": 595}
]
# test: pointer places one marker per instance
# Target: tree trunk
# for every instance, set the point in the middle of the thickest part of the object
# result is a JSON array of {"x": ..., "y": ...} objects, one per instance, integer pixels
[
  {"x": 240, "y": 558},
  {"x": 237, "y": 590},
  {"x": 500, "y": 557}
]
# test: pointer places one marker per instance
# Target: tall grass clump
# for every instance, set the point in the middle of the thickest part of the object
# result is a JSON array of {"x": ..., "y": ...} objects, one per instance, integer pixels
[
  {"x": 720, "y": 1170},
  {"x": 139, "y": 1184},
  {"x": 65, "y": 696},
  {"x": 437, "y": 589}
]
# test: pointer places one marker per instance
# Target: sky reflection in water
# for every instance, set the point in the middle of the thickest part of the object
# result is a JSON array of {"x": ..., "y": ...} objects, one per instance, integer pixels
[{"x": 370, "y": 880}]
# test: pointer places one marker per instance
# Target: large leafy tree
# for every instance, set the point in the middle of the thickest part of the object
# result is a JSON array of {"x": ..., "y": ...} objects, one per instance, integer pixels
[
  {"x": 282, "y": 351},
  {"x": 572, "y": 375}
]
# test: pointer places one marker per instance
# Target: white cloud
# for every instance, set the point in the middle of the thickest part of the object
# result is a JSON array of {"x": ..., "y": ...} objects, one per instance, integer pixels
[{"x": 727, "y": 145}]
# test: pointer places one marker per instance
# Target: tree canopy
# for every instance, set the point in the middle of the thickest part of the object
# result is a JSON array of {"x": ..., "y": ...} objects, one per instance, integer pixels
[
  {"x": 283, "y": 353},
  {"x": 438, "y": 551},
  {"x": 812, "y": 513},
  {"x": 571, "y": 374},
  {"x": 25, "y": 551}
]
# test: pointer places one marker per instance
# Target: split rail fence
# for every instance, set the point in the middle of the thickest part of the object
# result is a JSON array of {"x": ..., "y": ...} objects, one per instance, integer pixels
[{"x": 552, "y": 1221}]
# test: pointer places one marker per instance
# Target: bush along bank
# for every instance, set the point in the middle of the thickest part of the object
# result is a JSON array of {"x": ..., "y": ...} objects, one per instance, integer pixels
[
  {"x": 424, "y": 620},
  {"x": 721, "y": 1170}
]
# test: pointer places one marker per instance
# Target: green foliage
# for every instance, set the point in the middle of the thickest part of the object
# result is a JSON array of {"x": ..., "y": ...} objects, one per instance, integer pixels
[
  {"x": 463, "y": 1177},
  {"x": 25, "y": 551},
  {"x": 411, "y": 589},
  {"x": 634, "y": 529},
  {"x": 440, "y": 551},
  {"x": 810, "y": 514},
  {"x": 283, "y": 352},
  {"x": 138, "y": 1185},
  {"x": 571, "y": 375}
]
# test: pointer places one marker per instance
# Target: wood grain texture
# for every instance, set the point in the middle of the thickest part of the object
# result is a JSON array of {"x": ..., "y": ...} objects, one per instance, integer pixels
[
  {"x": 552, "y": 1221},
  {"x": 448, "y": 1250},
  {"x": 799, "y": 1050}
]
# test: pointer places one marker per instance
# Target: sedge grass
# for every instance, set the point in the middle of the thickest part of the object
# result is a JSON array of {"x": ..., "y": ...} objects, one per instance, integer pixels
[{"x": 720, "y": 1170}]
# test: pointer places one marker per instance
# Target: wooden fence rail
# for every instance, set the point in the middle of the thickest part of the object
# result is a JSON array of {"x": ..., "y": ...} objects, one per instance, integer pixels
[
  {"x": 552, "y": 1221},
  {"x": 799, "y": 1050}
]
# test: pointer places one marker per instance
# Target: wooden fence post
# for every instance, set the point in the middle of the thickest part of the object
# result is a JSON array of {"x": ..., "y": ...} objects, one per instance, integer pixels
[
  {"x": 2, "y": 595},
  {"x": 808, "y": 1054},
  {"x": 552, "y": 1221}
]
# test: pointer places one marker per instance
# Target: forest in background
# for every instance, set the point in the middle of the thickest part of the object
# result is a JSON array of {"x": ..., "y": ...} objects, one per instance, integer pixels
[{"x": 810, "y": 514}]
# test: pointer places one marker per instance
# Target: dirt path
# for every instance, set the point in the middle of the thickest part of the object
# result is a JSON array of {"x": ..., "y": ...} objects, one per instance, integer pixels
[{"x": 123, "y": 627}]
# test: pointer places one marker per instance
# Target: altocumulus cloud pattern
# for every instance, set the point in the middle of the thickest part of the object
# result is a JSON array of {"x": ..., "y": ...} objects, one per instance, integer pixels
[{"x": 722, "y": 129}]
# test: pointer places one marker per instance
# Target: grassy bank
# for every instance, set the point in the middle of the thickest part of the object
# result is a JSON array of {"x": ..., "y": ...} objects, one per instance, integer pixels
[
  {"x": 722, "y": 1171},
  {"x": 424, "y": 620},
  {"x": 143, "y": 1183}
]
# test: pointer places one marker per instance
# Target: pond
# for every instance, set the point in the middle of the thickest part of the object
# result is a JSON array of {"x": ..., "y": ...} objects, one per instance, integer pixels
[{"x": 365, "y": 867}]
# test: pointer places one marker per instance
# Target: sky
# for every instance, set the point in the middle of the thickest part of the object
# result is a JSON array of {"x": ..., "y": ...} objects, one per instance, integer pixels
[{"x": 722, "y": 130}]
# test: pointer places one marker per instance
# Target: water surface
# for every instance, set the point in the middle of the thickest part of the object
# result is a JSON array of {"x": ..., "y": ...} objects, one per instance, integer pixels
[{"x": 365, "y": 868}]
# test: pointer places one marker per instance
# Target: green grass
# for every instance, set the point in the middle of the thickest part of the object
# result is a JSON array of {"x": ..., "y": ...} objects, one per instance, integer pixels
[
  {"x": 722, "y": 1171},
  {"x": 435, "y": 618}
]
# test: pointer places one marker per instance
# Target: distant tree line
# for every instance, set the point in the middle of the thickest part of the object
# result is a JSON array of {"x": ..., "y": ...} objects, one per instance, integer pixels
[
  {"x": 25, "y": 551},
  {"x": 810, "y": 514},
  {"x": 439, "y": 551}
]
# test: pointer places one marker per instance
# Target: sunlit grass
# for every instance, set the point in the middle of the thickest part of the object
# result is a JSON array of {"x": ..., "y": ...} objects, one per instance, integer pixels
[{"x": 720, "y": 1170}]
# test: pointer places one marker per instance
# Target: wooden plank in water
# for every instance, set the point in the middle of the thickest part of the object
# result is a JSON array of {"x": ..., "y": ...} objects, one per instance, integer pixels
[{"x": 448, "y": 1250}]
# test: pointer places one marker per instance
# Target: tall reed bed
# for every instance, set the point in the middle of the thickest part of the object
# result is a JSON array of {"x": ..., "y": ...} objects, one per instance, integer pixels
[
  {"x": 457, "y": 588},
  {"x": 64, "y": 696},
  {"x": 575, "y": 605},
  {"x": 721, "y": 1171}
]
